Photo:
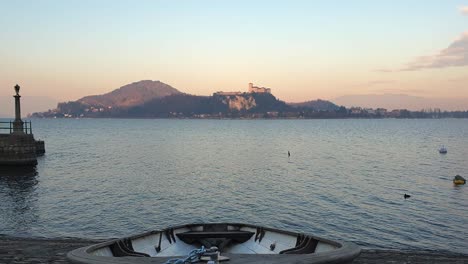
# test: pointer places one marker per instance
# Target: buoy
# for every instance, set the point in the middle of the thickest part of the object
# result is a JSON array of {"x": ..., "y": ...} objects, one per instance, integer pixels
[
  {"x": 443, "y": 150},
  {"x": 459, "y": 180},
  {"x": 406, "y": 196}
]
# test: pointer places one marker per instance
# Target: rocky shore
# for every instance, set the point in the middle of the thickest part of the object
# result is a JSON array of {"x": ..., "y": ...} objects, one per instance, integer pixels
[{"x": 40, "y": 250}]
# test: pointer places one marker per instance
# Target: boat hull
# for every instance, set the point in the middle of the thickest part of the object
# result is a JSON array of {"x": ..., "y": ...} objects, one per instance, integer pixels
[{"x": 160, "y": 246}]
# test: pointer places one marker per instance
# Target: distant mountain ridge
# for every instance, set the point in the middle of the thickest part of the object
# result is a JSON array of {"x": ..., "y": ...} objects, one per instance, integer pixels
[
  {"x": 133, "y": 94},
  {"x": 402, "y": 101},
  {"x": 319, "y": 105},
  {"x": 153, "y": 99}
]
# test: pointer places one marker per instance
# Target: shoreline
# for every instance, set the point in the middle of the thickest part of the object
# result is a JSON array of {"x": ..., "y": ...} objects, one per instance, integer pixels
[
  {"x": 247, "y": 118},
  {"x": 53, "y": 250}
]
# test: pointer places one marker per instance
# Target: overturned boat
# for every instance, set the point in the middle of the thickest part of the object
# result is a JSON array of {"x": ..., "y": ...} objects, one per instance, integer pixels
[{"x": 230, "y": 243}]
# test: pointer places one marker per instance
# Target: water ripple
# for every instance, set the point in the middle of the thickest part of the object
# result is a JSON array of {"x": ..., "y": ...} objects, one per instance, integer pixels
[{"x": 345, "y": 179}]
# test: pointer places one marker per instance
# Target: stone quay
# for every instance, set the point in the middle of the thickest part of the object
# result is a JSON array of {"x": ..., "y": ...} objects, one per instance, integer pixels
[{"x": 18, "y": 146}]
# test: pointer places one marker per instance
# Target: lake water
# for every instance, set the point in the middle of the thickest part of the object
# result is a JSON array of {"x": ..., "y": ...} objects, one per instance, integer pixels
[{"x": 345, "y": 179}]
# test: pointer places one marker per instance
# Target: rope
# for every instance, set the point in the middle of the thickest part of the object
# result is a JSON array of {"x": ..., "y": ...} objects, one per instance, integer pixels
[{"x": 193, "y": 257}]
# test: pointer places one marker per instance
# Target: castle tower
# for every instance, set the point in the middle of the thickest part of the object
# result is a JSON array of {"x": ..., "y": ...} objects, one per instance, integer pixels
[{"x": 250, "y": 87}]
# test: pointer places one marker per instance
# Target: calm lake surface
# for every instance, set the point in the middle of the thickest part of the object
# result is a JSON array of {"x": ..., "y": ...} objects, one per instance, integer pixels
[{"x": 345, "y": 179}]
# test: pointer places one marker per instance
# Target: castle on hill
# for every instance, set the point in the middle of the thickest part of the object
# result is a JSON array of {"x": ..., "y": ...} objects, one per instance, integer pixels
[
  {"x": 256, "y": 89},
  {"x": 252, "y": 89}
]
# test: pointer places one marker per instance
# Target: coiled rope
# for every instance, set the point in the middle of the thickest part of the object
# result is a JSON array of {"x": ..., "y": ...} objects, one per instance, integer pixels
[{"x": 193, "y": 257}]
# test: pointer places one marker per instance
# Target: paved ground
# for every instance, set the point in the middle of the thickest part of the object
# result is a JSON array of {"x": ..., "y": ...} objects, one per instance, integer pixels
[{"x": 36, "y": 250}]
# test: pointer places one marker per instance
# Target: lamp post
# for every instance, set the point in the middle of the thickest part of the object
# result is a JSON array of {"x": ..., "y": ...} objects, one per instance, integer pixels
[{"x": 18, "y": 123}]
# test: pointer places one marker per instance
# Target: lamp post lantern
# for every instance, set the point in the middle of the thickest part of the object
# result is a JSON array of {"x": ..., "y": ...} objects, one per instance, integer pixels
[
  {"x": 18, "y": 123},
  {"x": 17, "y": 89}
]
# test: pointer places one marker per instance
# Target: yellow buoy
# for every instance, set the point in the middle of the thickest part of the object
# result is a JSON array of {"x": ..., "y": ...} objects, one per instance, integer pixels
[{"x": 459, "y": 180}]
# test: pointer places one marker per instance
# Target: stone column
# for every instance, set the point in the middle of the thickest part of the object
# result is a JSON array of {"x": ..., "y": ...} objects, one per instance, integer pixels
[{"x": 18, "y": 123}]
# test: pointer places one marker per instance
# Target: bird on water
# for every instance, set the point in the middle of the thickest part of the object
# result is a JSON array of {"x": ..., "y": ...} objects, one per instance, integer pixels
[
  {"x": 289, "y": 154},
  {"x": 406, "y": 196}
]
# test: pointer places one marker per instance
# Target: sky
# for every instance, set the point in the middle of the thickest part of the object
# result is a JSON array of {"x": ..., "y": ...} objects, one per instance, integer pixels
[{"x": 303, "y": 50}]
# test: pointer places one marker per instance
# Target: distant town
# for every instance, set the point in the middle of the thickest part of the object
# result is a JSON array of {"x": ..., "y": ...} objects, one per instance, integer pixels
[{"x": 154, "y": 99}]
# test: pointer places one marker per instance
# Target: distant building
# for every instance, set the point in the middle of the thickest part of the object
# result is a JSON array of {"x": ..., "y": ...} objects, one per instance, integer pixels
[
  {"x": 255, "y": 89},
  {"x": 227, "y": 93},
  {"x": 356, "y": 110},
  {"x": 273, "y": 114},
  {"x": 252, "y": 89},
  {"x": 381, "y": 111},
  {"x": 395, "y": 113}
]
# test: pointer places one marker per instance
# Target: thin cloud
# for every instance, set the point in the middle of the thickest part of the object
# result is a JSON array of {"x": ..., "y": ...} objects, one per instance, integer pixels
[
  {"x": 455, "y": 55},
  {"x": 463, "y": 10}
]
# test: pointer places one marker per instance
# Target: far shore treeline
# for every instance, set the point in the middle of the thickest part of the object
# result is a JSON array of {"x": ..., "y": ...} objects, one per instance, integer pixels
[{"x": 154, "y": 99}]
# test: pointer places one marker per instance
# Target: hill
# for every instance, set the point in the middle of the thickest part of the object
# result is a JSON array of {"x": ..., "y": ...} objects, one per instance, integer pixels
[
  {"x": 155, "y": 99},
  {"x": 185, "y": 105},
  {"x": 149, "y": 99},
  {"x": 317, "y": 105},
  {"x": 133, "y": 94}
]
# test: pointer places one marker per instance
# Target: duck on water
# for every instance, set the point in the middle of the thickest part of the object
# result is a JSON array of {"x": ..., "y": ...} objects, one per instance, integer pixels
[{"x": 231, "y": 243}]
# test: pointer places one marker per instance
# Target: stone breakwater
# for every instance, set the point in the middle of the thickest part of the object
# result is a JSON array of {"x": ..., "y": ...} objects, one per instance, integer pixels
[
  {"x": 40, "y": 250},
  {"x": 18, "y": 149}
]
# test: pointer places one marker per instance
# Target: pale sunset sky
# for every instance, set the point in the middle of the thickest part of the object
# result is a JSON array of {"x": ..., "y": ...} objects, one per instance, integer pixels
[{"x": 303, "y": 50}]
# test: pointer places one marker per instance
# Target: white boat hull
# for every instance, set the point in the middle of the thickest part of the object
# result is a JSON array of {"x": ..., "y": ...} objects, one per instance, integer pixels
[{"x": 241, "y": 243}]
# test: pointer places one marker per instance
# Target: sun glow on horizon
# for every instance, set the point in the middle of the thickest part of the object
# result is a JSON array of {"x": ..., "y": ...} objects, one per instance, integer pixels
[{"x": 302, "y": 50}]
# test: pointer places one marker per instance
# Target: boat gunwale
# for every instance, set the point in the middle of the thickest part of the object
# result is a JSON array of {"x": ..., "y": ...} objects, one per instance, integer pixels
[{"x": 345, "y": 251}]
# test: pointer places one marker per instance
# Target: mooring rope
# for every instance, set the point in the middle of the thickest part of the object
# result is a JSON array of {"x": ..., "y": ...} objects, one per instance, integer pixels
[{"x": 193, "y": 257}]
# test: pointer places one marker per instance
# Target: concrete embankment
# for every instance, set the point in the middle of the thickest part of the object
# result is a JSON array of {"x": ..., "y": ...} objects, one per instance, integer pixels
[{"x": 38, "y": 250}]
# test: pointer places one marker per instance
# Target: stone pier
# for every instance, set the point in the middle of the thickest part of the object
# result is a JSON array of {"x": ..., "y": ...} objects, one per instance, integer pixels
[
  {"x": 18, "y": 149},
  {"x": 18, "y": 146}
]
